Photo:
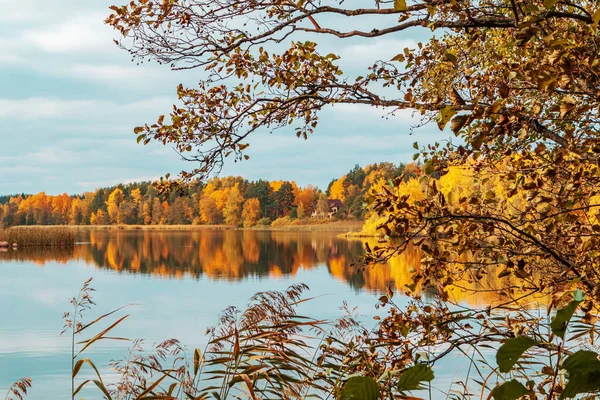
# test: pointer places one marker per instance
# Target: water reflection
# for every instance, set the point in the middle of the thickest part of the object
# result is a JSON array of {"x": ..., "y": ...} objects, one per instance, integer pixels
[{"x": 240, "y": 255}]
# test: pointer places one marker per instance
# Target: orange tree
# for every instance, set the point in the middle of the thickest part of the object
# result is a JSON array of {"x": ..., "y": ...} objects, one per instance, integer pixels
[{"x": 516, "y": 81}]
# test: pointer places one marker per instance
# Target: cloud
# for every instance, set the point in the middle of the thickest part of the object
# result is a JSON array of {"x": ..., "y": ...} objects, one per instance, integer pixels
[
  {"x": 10, "y": 59},
  {"x": 71, "y": 100},
  {"x": 15, "y": 11},
  {"x": 111, "y": 182},
  {"x": 360, "y": 112},
  {"x": 112, "y": 72},
  {"x": 82, "y": 34},
  {"x": 52, "y": 108},
  {"x": 363, "y": 55},
  {"x": 54, "y": 155}
]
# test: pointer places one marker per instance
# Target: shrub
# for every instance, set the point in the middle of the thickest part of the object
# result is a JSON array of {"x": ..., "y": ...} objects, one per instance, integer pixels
[
  {"x": 283, "y": 221},
  {"x": 264, "y": 222}
]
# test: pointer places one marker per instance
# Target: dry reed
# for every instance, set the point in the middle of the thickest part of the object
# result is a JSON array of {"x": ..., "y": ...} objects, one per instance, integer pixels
[{"x": 38, "y": 236}]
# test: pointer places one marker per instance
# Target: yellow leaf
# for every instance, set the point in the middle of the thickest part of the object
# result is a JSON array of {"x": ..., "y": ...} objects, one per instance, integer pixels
[
  {"x": 596, "y": 17},
  {"x": 566, "y": 105},
  {"x": 400, "y": 5},
  {"x": 444, "y": 116}
]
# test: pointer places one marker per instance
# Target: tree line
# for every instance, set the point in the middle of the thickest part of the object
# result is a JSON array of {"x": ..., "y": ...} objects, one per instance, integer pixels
[{"x": 221, "y": 200}]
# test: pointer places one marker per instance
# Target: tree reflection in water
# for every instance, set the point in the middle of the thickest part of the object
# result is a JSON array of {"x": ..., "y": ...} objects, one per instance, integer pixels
[{"x": 238, "y": 255}]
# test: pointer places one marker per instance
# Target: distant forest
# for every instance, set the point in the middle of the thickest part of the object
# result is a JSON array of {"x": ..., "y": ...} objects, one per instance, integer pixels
[{"x": 222, "y": 200}]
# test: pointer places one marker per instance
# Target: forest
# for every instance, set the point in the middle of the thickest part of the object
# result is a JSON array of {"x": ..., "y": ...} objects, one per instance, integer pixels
[{"x": 221, "y": 200}]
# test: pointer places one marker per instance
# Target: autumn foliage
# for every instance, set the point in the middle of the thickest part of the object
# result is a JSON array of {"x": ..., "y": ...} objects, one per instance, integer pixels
[
  {"x": 227, "y": 200},
  {"x": 512, "y": 193}
]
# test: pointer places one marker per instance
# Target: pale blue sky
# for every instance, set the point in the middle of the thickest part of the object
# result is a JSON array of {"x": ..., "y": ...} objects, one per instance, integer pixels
[{"x": 69, "y": 100}]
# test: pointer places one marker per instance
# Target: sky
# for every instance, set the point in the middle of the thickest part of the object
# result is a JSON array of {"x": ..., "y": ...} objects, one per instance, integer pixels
[{"x": 70, "y": 98}]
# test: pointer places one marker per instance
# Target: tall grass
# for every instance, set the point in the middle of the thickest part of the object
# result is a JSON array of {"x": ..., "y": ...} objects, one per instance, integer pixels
[
  {"x": 266, "y": 351},
  {"x": 19, "y": 389},
  {"x": 149, "y": 227},
  {"x": 39, "y": 236},
  {"x": 314, "y": 224}
]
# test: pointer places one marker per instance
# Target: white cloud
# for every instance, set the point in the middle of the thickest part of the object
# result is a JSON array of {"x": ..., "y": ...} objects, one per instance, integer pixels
[
  {"x": 83, "y": 34},
  {"x": 48, "y": 108},
  {"x": 113, "y": 73},
  {"x": 15, "y": 11},
  {"x": 10, "y": 59},
  {"x": 38, "y": 107},
  {"x": 366, "y": 54},
  {"x": 110, "y": 182},
  {"x": 360, "y": 112},
  {"x": 54, "y": 155}
]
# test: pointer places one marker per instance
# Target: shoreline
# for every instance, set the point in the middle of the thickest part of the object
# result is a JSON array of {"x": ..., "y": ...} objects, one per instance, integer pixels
[{"x": 337, "y": 226}]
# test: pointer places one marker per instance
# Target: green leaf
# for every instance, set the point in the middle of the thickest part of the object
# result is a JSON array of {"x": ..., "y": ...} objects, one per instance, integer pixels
[
  {"x": 416, "y": 146},
  {"x": 583, "y": 369},
  {"x": 140, "y": 138},
  {"x": 548, "y": 4},
  {"x": 510, "y": 352},
  {"x": 510, "y": 390},
  {"x": 444, "y": 116},
  {"x": 360, "y": 388},
  {"x": 412, "y": 377},
  {"x": 564, "y": 315},
  {"x": 400, "y": 5}
]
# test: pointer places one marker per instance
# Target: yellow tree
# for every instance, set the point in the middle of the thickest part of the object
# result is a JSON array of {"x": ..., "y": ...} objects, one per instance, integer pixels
[
  {"x": 232, "y": 212},
  {"x": 61, "y": 208},
  {"x": 147, "y": 213},
  {"x": 78, "y": 211},
  {"x": 308, "y": 197},
  {"x": 165, "y": 207},
  {"x": 136, "y": 196},
  {"x": 338, "y": 189},
  {"x": 209, "y": 212},
  {"x": 275, "y": 185},
  {"x": 300, "y": 210},
  {"x": 157, "y": 211},
  {"x": 322, "y": 207},
  {"x": 99, "y": 218},
  {"x": 137, "y": 200},
  {"x": 251, "y": 212},
  {"x": 113, "y": 206}
]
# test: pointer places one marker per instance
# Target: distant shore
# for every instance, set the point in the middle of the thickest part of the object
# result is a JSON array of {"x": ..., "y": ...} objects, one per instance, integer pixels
[{"x": 335, "y": 226}]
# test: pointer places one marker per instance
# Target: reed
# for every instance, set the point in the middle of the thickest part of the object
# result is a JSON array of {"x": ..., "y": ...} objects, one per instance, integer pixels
[
  {"x": 141, "y": 227},
  {"x": 38, "y": 236},
  {"x": 312, "y": 225}
]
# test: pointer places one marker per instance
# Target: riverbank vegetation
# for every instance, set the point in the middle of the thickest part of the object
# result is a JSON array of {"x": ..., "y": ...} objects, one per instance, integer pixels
[
  {"x": 38, "y": 236},
  {"x": 230, "y": 201},
  {"x": 268, "y": 350}
]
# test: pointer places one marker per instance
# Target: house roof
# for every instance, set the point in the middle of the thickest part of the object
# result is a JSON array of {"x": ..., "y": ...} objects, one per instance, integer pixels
[{"x": 335, "y": 203}]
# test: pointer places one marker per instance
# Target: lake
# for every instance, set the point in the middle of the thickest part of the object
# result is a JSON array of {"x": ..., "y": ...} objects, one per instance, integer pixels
[{"x": 179, "y": 281}]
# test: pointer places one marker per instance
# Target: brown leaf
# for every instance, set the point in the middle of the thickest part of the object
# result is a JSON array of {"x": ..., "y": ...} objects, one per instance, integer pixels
[
  {"x": 458, "y": 123},
  {"x": 566, "y": 105},
  {"x": 504, "y": 89}
]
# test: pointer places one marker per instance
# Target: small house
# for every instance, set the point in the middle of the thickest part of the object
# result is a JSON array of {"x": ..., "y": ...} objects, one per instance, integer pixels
[{"x": 335, "y": 205}]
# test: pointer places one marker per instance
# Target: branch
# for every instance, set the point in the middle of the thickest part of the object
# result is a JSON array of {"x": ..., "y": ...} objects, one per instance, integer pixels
[{"x": 530, "y": 237}]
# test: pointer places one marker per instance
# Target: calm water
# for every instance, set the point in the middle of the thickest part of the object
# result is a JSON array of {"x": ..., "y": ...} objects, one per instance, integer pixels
[{"x": 180, "y": 282}]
